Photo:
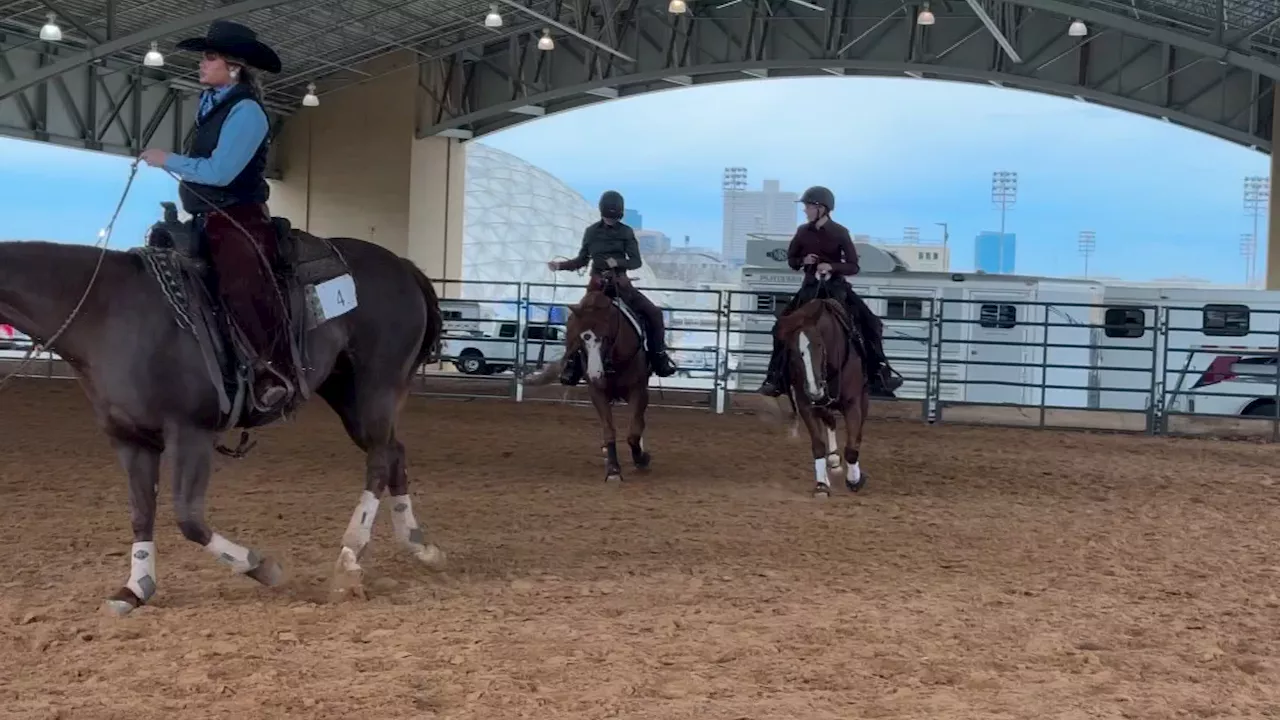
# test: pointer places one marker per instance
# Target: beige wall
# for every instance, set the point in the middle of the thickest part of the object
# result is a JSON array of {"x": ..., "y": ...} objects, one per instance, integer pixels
[
  {"x": 1273, "y": 211},
  {"x": 352, "y": 167}
]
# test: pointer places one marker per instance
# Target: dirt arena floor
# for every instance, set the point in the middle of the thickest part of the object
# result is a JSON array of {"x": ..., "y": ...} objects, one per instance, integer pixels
[{"x": 983, "y": 573}]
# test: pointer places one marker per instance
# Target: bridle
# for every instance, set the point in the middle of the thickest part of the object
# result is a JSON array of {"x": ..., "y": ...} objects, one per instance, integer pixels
[{"x": 609, "y": 286}]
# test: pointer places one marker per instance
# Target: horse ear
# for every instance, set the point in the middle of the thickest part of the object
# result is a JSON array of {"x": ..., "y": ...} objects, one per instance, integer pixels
[{"x": 575, "y": 310}]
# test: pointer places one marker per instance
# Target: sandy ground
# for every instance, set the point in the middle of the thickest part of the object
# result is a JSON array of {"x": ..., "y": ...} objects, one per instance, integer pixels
[{"x": 983, "y": 573}]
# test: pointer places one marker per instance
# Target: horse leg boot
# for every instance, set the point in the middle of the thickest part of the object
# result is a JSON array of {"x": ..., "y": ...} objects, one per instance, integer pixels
[
  {"x": 772, "y": 385},
  {"x": 407, "y": 531},
  {"x": 193, "y": 463},
  {"x": 143, "y": 467}
]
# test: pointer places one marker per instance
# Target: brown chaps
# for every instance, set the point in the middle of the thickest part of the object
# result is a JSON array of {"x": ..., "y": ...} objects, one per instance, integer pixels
[{"x": 245, "y": 279}]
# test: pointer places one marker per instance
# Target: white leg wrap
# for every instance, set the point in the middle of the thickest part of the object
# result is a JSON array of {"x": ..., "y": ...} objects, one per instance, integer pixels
[
  {"x": 360, "y": 529},
  {"x": 820, "y": 471},
  {"x": 402, "y": 520},
  {"x": 237, "y": 557},
  {"x": 854, "y": 473},
  {"x": 142, "y": 570}
]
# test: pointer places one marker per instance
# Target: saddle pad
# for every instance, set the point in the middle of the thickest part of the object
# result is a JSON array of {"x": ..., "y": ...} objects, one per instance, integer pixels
[{"x": 630, "y": 315}]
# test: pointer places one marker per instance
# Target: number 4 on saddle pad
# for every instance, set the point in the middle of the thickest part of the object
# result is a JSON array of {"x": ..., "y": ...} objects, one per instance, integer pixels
[{"x": 331, "y": 298}]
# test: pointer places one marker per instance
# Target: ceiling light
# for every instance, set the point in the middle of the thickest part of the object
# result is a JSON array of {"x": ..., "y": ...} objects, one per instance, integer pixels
[
  {"x": 677, "y": 7},
  {"x": 925, "y": 17},
  {"x": 493, "y": 19},
  {"x": 545, "y": 42},
  {"x": 50, "y": 32},
  {"x": 153, "y": 58},
  {"x": 310, "y": 99},
  {"x": 1077, "y": 29}
]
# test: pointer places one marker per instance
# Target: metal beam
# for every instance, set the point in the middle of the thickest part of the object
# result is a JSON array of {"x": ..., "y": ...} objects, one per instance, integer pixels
[
  {"x": 565, "y": 28},
  {"x": 154, "y": 32},
  {"x": 995, "y": 31},
  {"x": 1137, "y": 28}
]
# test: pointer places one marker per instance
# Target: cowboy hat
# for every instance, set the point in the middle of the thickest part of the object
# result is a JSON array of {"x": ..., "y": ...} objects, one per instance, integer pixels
[{"x": 235, "y": 41}]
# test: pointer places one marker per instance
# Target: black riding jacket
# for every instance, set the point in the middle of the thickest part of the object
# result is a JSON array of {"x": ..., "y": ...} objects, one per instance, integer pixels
[{"x": 601, "y": 242}]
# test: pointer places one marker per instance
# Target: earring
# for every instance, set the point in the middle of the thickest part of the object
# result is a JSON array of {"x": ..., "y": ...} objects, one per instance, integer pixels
[{"x": 235, "y": 74}]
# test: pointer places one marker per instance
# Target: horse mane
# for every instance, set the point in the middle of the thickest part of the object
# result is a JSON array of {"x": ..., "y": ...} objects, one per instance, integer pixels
[{"x": 808, "y": 315}]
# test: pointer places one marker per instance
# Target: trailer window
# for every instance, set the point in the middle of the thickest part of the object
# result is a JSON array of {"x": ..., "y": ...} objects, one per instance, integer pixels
[
  {"x": 904, "y": 308},
  {"x": 1123, "y": 322},
  {"x": 542, "y": 332},
  {"x": 771, "y": 302},
  {"x": 451, "y": 314},
  {"x": 507, "y": 330},
  {"x": 1000, "y": 316},
  {"x": 1225, "y": 320}
]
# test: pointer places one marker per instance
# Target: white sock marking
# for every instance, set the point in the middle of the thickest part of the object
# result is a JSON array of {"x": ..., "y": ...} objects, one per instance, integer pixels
[
  {"x": 142, "y": 570},
  {"x": 853, "y": 473},
  {"x": 831, "y": 442},
  {"x": 811, "y": 381},
  {"x": 595, "y": 362},
  {"x": 235, "y": 556},
  {"x": 360, "y": 528},
  {"x": 820, "y": 471}
]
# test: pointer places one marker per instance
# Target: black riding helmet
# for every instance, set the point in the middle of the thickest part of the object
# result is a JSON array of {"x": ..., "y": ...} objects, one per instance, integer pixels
[
  {"x": 818, "y": 195},
  {"x": 611, "y": 205}
]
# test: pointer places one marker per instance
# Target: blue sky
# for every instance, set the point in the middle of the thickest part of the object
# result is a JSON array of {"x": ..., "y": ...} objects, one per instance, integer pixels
[{"x": 1163, "y": 200}]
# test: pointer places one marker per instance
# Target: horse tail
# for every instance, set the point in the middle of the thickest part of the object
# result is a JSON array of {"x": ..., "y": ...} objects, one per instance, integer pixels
[{"x": 435, "y": 321}]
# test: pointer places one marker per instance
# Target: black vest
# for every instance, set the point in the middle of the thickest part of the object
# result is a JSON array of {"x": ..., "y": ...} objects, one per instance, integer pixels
[{"x": 250, "y": 186}]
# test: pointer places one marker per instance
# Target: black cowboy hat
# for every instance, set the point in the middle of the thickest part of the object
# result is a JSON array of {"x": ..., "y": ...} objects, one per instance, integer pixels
[{"x": 235, "y": 41}]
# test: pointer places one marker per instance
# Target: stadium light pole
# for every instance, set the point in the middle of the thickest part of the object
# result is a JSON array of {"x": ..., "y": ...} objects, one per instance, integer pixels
[
  {"x": 1257, "y": 196},
  {"x": 1004, "y": 192},
  {"x": 1087, "y": 244},
  {"x": 1248, "y": 249},
  {"x": 910, "y": 235}
]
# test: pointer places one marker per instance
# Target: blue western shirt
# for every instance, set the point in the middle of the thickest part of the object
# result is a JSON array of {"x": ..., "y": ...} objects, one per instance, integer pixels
[{"x": 245, "y": 128}]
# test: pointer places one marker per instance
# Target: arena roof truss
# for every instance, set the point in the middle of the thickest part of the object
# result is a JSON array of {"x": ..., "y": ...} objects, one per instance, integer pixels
[{"x": 1208, "y": 65}]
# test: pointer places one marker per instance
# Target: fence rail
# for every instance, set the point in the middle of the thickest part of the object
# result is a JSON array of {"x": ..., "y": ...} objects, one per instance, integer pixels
[{"x": 989, "y": 361}]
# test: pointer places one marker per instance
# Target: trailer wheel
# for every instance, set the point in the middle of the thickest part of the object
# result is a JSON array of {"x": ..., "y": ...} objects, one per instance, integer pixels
[
  {"x": 1260, "y": 408},
  {"x": 471, "y": 362}
]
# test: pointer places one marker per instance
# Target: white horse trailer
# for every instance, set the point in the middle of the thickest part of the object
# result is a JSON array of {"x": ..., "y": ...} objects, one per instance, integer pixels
[
  {"x": 1232, "y": 326},
  {"x": 996, "y": 332}
]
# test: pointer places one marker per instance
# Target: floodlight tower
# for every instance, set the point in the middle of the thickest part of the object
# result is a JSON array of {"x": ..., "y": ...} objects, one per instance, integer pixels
[
  {"x": 1004, "y": 193},
  {"x": 1087, "y": 244},
  {"x": 1257, "y": 195}
]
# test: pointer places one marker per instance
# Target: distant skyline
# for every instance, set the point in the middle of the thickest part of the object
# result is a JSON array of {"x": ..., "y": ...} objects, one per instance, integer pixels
[{"x": 1162, "y": 200}]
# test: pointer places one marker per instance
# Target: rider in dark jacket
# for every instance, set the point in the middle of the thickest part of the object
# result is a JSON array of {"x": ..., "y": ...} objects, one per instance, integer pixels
[
  {"x": 610, "y": 244},
  {"x": 824, "y": 245}
]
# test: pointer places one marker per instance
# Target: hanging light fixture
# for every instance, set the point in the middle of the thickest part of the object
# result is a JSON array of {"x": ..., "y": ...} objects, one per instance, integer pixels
[
  {"x": 50, "y": 32},
  {"x": 677, "y": 7},
  {"x": 1077, "y": 29},
  {"x": 311, "y": 99},
  {"x": 153, "y": 58},
  {"x": 925, "y": 17},
  {"x": 493, "y": 19},
  {"x": 545, "y": 42}
]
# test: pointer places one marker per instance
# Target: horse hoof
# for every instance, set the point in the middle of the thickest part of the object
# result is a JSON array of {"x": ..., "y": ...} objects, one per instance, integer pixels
[
  {"x": 348, "y": 576},
  {"x": 613, "y": 478},
  {"x": 856, "y": 486},
  {"x": 268, "y": 573},
  {"x": 822, "y": 492},
  {"x": 431, "y": 556},
  {"x": 642, "y": 462},
  {"x": 118, "y": 608}
]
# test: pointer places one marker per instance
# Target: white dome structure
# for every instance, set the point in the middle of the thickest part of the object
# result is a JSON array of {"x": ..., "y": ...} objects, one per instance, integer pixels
[{"x": 516, "y": 218}]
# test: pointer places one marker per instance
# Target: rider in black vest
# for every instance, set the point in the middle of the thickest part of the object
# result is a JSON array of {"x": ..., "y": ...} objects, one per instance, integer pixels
[{"x": 223, "y": 186}]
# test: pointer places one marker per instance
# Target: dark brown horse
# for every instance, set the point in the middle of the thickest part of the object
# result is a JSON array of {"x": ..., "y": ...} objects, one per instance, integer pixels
[
  {"x": 826, "y": 375},
  {"x": 141, "y": 344},
  {"x": 617, "y": 368}
]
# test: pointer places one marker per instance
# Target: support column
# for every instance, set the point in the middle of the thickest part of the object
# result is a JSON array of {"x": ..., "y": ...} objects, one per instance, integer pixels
[
  {"x": 1273, "y": 204},
  {"x": 437, "y": 183}
]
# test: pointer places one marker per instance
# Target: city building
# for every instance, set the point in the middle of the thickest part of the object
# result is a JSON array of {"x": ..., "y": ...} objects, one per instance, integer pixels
[
  {"x": 632, "y": 217},
  {"x": 691, "y": 266},
  {"x": 991, "y": 254},
  {"x": 652, "y": 242},
  {"x": 919, "y": 256},
  {"x": 768, "y": 210}
]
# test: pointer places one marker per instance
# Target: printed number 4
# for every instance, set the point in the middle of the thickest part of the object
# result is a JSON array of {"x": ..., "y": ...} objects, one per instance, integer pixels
[{"x": 341, "y": 300}]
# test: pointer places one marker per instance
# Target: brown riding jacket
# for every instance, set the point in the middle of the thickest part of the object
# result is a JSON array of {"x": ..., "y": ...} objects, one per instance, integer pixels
[{"x": 831, "y": 243}]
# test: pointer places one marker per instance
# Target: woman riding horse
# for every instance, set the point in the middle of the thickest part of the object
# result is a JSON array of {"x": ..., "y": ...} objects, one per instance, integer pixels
[
  {"x": 823, "y": 245},
  {"x": 223, "y": 186},
  {"x": 610, "y": 244}
]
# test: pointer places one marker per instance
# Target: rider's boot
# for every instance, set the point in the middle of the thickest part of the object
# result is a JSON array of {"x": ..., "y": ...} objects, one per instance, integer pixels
[
  {"x": 659, "y": 361},
  {"x": 271, "y": 389},
  {"x": 571, "y": 372},
  {"x": 883, "y": 379},
  {"x": 772, "y": 385}
]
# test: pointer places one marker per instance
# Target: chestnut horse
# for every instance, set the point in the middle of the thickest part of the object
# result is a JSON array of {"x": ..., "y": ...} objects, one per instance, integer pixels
[
  {"x": 826, "y": 375},
  {"x": 617, "y": 368}
]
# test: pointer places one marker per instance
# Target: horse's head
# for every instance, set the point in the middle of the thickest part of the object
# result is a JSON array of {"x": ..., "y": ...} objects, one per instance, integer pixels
[
  {"x": 595, "y": 323},
  {"x": 817, "y": 345}
]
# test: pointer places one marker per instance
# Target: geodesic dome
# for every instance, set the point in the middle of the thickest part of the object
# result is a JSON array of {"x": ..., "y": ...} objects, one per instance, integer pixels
[{"x": 516, "y": 218}]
